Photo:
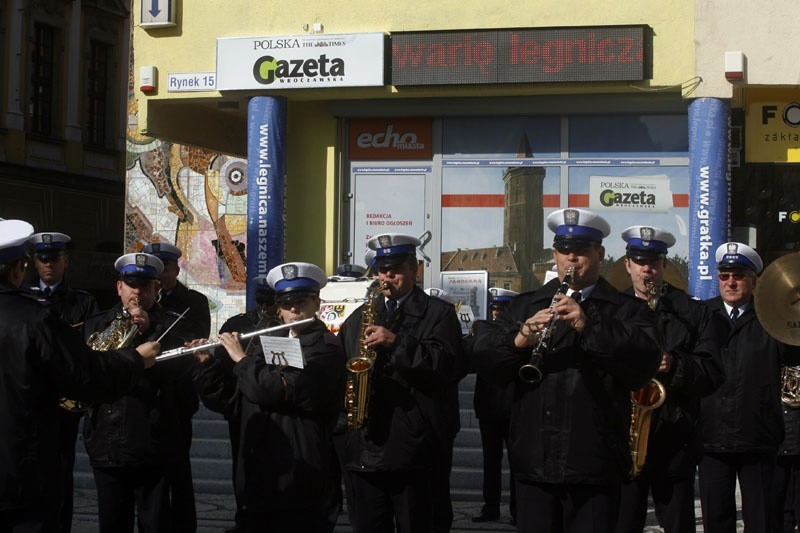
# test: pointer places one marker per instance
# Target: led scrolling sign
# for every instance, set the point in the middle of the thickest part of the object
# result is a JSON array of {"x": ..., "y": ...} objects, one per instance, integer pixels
[{"x": 605, "y": 53}]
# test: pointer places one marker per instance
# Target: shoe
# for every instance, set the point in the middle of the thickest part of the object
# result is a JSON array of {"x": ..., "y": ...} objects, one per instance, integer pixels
[{"x": 487, "y": 515}]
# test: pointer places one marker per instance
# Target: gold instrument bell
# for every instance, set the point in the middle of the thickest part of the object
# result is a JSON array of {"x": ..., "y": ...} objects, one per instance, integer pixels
[{"x": 777, "y": 305}]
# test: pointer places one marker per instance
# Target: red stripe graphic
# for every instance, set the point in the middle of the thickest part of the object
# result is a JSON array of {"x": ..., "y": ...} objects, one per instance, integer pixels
[{"x": 549, "y": 201}]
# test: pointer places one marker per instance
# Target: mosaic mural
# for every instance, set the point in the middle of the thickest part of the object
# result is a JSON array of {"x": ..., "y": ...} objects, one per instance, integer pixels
[{"x": 196, "y": 200}]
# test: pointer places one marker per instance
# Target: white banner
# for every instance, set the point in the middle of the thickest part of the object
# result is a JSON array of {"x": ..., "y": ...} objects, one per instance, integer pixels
[
  {"x": 651, "y": 194},
  {"x": 300, "y": 61}
]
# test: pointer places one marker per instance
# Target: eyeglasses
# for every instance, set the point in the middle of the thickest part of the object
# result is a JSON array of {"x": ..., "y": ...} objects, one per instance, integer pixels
[{"x": 725, "y": 276}]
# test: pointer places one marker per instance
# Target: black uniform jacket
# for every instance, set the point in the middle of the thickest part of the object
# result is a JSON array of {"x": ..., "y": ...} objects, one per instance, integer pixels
[
  {"x": 198, "y": 318},
  {"x": 43, "y": 358},
  {"x": 409, "y": 415},
  {"x": 691, "y": 335},
  {"x": 285, "y": 416},
  {"x": 73, "y": 305},
  {"x": 744, "y": 414},
  {"x": 140, "y": 428},
  {"x": 573, "y": 427}
]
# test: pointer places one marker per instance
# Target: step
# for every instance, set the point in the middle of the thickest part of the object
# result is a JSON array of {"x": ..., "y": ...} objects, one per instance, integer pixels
[
  {"x": 210, "y": 428},
  {"x": 466, "y": 477},
  {"x": 468, "y": 437},
  {"x": 211, "y": 448}
]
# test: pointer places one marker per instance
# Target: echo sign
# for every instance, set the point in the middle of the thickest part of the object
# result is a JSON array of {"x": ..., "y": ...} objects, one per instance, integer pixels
[{"x": 191, "y": 81}]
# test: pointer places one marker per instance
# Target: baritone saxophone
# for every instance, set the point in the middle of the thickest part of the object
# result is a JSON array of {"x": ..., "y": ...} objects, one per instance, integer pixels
[
  {"x": 359, "y": 387},
  {"x": 645, "y": 400}
]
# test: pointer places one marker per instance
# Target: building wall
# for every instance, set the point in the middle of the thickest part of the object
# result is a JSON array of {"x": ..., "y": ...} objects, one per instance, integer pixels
[
  {"x": 57, "y": 179},
  {"x": 767, "y": 37},
  {"x": 314, "y": 172}
]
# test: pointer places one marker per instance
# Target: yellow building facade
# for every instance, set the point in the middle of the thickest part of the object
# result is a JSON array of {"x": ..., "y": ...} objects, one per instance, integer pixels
[{"x": 586, "y": 105}]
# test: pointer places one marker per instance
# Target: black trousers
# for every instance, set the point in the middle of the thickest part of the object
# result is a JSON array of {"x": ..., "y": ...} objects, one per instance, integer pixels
[
  {"x": 120, "y": 490},
  {"x": 68, "y": 433},
  {"x": 183, "y": 513},
  {"x": 393, "y": 501},
  {"x": 718, "y": 475},
  {"x": 566, "y": 508},
  {"x": 673, "y": 500},
  {"x": 785, "y": 498},
  {"x": 494, "y": 437},
  {"x": 442, "y": 503}
]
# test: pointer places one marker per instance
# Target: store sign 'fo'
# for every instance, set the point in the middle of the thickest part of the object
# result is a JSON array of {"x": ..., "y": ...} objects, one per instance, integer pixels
[
  {"x": 772, "y": 126},
  {"x": 300, "y": 62}
]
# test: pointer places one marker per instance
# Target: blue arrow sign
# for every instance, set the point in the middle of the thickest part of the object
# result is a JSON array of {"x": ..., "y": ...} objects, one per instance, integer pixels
[{"x": 154, "y": 8}]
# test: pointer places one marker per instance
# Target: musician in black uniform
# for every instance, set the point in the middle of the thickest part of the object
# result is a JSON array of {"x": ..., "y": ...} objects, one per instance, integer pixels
[
  {"x": 131, "y": 441},
  {"x": 178, "y": 298},
  {"x": 569, "y": 431},
  {"x": 742, "y": 420},
  {"x": 691, "y": 367},
  {"x": 284, "y": 414},
  {"x": 263, "y": 316},
  {"x": 74, "y": 306},
  {"x": 492, "y": 406},
  {"x": 395, "y": 458},
  {"x": 43, "y": 358}
]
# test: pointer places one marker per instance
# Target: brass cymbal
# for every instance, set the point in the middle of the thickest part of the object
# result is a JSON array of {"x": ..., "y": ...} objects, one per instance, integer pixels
[
  {"x": 618, "y": 275},
  {"x": 777, "y": 299}
]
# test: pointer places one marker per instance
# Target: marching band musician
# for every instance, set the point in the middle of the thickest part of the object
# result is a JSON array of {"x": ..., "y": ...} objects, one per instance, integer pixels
[
  {"x": 43, "y": 358},
  {"x": 742, "y": 420},
  {"x": 394, "y": 458},
  {"x": 690, "y": 368},
  {"x": 492, "y": 406},
  {"x": 131, "y": 440},
  {"x": 285, "y": 415},
  {"x": 264, "y": 315},
  {"x": 570, "y": 424},
  {"x": 178, "y": 298},
  {"x": 74, "y": 306}
]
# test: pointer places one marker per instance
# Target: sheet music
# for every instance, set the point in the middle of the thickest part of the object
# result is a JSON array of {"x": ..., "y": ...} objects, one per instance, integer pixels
[{"x": 282, "y": 351}]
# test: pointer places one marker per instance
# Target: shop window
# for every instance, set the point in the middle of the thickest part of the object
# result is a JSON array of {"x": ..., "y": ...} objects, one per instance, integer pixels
[
  {"x": 99, "y": 80},
  {"x": 628, "y": 135}
]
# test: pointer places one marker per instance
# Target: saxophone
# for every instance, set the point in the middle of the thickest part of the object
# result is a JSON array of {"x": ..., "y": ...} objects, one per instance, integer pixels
[
  {"x": 119, "y": 334},
  {"x": 358, "y": 388},
  {"x": 645, "y": 400}
]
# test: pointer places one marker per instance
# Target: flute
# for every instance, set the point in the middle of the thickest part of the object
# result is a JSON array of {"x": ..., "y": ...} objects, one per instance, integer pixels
[{"x": 177, "y": 352}]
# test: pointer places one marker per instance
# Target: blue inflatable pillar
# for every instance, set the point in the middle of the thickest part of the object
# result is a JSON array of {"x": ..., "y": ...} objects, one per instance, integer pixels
[
  {"x": 266, "y": 180},
  {"x": 709, "y": 191}
]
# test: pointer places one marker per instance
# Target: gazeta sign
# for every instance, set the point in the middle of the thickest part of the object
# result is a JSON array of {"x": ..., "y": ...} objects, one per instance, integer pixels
[{"x": 299, "y": 62}]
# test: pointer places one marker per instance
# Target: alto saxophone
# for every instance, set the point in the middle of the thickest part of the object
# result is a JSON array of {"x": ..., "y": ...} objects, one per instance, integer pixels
[
  {"x": 358, "y": 388},
  {"x": 119, "y": 334},
  {"x": 645, "y": 400}
]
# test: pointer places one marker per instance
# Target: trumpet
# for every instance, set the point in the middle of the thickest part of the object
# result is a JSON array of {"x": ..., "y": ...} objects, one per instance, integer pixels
[
  {"x": 531, "y": 373},
  {"x": 178, "y": 352}
]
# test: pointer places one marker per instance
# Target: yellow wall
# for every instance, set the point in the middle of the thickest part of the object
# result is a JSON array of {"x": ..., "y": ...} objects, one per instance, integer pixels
[
  {"x": 310, "y": 198},
  {"x": 191, "y": 47}
]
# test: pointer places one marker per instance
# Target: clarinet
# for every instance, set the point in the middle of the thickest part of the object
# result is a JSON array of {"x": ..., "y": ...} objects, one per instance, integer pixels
[{"x": 531, "y": 372}]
